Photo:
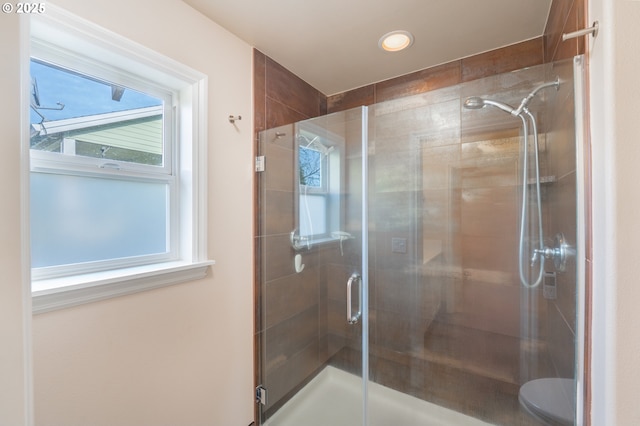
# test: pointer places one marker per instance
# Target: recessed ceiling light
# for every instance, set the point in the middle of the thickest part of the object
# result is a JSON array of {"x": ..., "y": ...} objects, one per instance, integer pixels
[{"x": 395, "y": 41}]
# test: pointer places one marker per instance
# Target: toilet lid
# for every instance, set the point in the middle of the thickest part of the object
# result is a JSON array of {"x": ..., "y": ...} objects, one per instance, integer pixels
[{"x": 550, "y": 398}]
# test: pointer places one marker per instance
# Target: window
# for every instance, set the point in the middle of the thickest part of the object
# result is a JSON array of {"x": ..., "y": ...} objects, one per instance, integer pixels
[
  {"x": 102, "y": 181},
  {"x": 320, "y": 180},
  {"x": 116, "y": 152},
  {"x": 313, "y": 191}
]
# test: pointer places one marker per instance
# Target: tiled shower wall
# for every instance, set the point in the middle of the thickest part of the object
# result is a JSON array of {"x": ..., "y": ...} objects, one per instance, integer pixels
[
  {"x": 282, "y": 98},
  {"x": 296, "y": 305}
]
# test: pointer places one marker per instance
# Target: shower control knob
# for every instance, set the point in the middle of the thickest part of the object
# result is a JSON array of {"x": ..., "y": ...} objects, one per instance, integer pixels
[
  {"x": 558, "y": 253},
  {"x": 547, "y": 252}
]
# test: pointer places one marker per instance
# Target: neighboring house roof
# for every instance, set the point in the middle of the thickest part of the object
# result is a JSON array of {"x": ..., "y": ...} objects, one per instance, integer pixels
[{"x": 138, "y": 129}]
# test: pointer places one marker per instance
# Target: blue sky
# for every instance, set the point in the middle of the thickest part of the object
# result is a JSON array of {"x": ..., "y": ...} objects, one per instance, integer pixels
[{"x": 80, "y": 96}]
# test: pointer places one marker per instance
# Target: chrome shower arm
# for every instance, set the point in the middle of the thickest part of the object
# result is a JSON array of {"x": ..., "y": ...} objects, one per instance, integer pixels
[{"x": 533, "y": 93}]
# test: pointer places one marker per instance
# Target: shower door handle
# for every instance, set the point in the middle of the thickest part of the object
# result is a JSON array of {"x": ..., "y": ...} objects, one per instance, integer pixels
[{"x": 353, "y": 319}]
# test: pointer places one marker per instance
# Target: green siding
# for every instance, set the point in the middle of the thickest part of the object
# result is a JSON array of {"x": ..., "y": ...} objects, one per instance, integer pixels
[{"x": 144, "y": 134}]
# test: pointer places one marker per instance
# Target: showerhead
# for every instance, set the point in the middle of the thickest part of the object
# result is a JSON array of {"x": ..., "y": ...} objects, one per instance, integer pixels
[{"x": 476, "y": 102}]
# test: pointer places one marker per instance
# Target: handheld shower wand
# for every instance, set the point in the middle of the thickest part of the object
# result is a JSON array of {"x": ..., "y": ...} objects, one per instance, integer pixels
[
  {"x": 476, "y": 102},
  {"x": 522, "y": 112}
]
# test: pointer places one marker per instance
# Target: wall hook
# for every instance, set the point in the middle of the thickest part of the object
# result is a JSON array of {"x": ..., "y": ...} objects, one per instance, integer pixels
[
  {"x": 593, "y": 30},
  {"x": 297, "y": 263},
  {"x": 233, "y": 118}
]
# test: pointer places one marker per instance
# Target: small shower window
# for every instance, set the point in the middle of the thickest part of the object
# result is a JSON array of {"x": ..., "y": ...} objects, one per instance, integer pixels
[{"x": 319, "y": 182}]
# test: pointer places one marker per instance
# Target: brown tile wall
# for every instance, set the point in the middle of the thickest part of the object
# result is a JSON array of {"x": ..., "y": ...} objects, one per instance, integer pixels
[
  {"x": 280, "y": 97},
  {"x": 510, "y": 58},
  {"x": 484, "y": 293},
  {"x": 565, "y": 16},
  {"x": 295, "y": 314},
  {"x": 487, "y": 297},
  {"x": 290, "y": 306}
]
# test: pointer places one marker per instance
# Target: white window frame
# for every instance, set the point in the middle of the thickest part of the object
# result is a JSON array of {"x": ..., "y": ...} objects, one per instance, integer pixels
[{"x": 61, "y": 38}]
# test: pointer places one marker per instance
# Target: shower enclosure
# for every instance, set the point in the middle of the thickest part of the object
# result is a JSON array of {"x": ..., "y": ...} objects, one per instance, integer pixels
[{"x": 388, "y": 246}]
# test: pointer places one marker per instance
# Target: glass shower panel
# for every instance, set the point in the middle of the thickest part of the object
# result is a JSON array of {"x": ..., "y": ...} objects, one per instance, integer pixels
[
  {"x": 414, "y": 211},
  {"x": 310, "y": 243},
  {"x": 451, "y": 323}
]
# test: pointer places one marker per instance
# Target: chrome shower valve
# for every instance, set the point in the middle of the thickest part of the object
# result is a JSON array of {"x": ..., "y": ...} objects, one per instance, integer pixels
[{"x": 557, "y": 253}]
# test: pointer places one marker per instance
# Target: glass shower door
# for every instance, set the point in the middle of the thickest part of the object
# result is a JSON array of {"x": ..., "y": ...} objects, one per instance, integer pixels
[
  {"x": 453, "y": 329},
  {"x": 312, "y": 250}
]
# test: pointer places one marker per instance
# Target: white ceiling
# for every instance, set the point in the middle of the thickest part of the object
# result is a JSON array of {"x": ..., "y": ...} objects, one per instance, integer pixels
[{"x": 333, "y": 44}]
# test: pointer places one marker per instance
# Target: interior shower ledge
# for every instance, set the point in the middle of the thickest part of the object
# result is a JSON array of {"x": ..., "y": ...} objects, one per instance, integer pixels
[{"x": 482, "y": 353}]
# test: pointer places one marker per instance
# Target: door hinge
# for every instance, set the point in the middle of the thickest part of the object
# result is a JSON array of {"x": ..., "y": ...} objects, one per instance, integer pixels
[
  {"x": 260, "y": 163},
  {"x": 261, "y": 395}
]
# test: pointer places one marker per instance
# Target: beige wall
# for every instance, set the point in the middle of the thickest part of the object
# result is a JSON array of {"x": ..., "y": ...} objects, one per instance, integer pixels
[
  {"x": 13, "y": 331},
  {"x": 180, "y": 355},
  {"x": 627, "y": 229},
  {"x": 615, "y": 89}
]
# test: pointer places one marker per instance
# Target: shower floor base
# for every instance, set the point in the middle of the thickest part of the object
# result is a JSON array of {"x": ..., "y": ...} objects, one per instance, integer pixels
[{"x": 334, "y": 398}]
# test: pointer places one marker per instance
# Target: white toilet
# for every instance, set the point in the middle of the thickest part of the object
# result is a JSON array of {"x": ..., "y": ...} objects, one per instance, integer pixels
[{"x": 551, "y": 400}]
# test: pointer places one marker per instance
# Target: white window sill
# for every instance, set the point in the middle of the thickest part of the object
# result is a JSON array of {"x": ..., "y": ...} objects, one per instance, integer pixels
[{"x": 59, "y": 293}]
